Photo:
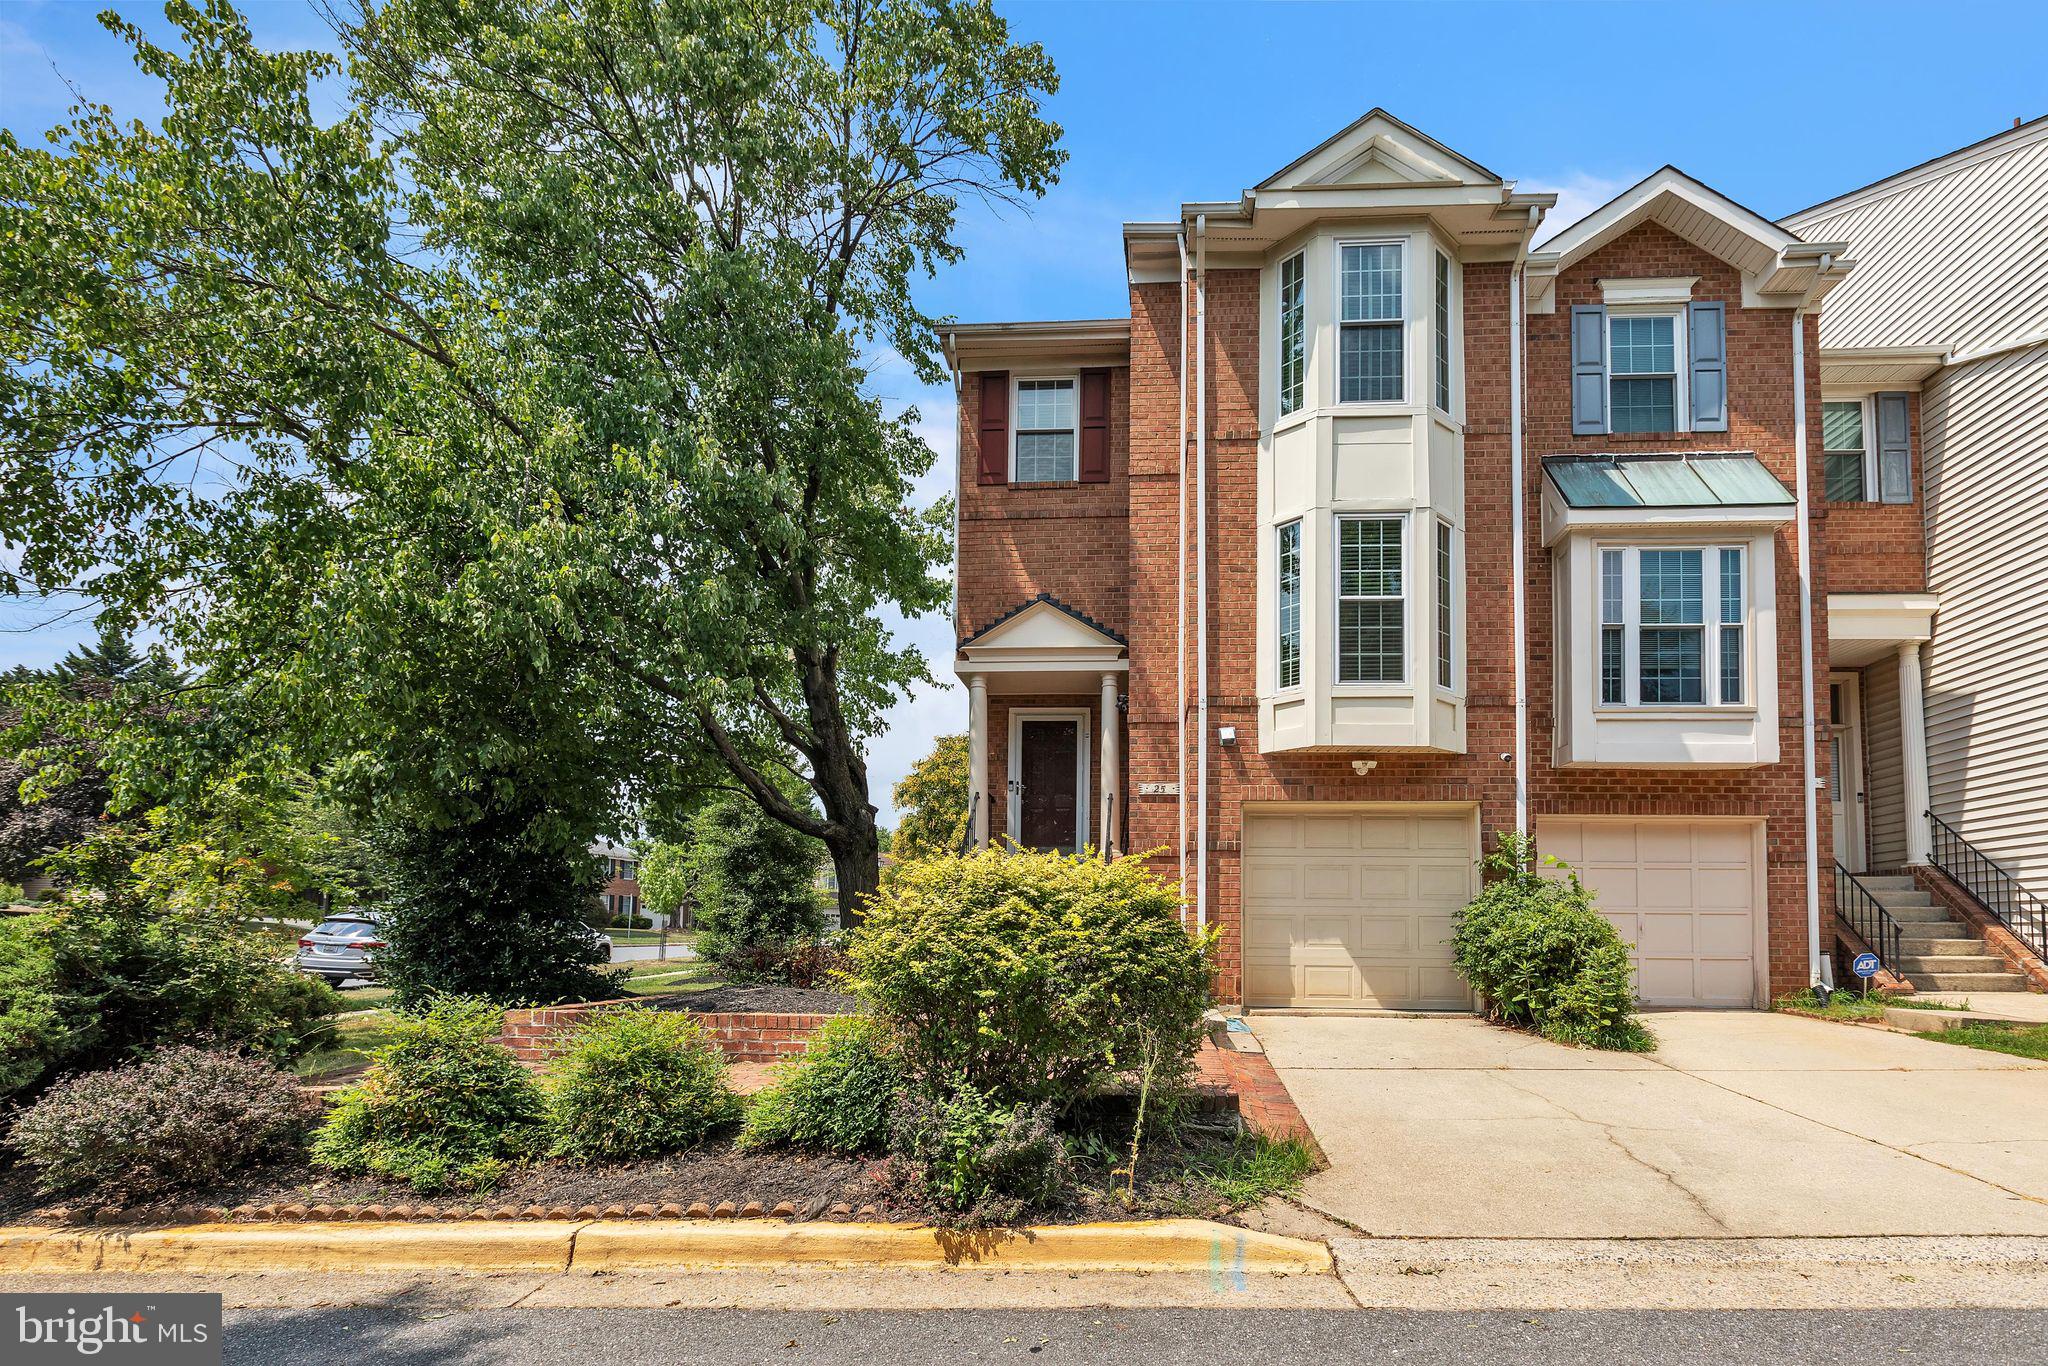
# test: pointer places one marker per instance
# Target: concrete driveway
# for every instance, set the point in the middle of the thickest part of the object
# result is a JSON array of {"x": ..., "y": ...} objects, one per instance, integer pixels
[{"x": 1740, "y": 1125}]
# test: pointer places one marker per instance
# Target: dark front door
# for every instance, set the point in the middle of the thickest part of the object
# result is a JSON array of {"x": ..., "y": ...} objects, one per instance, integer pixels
[{"x": 1048, "y": 807}]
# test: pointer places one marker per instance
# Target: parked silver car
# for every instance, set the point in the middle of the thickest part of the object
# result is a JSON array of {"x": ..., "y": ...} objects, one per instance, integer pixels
[{"x": 340, "y": 947}]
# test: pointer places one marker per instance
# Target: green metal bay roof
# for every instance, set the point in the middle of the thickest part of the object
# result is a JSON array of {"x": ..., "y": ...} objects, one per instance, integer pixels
[{"x": 1667, "y": 479}]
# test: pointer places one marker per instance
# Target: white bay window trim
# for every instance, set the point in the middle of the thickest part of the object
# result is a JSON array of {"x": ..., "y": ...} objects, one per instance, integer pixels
[
  {"x": 1723, "y": 627},
  {"x": 1401, "y": 599},
  {"x": 1374, "y": 321}
]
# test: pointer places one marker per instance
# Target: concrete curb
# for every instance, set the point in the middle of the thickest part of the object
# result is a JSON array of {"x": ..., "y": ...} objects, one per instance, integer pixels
[{"x": 647, "y": 1245}]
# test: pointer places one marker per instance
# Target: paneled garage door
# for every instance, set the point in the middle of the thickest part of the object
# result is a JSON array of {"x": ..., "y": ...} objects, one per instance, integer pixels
[
  {"x": 1687, "y": 896},
  {"x": 1350, "y": 907}
]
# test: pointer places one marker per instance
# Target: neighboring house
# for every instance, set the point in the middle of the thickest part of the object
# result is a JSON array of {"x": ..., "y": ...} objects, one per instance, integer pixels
[
  {"x": 1947, "y": 536},
  {"x": 1239, "y": 575},
  {"x": 621, "y": 894}
]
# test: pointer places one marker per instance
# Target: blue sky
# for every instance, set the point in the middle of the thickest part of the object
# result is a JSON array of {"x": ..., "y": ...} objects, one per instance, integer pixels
[{"x": 1776, "y": 105}]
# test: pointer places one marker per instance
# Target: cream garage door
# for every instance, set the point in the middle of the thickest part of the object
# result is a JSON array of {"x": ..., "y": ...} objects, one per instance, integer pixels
[
  {"x": 1351, "y": 907},
  {"x": 1686, "y": 895}
]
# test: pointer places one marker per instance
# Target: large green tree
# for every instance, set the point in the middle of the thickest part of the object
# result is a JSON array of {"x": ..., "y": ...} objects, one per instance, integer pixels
[
  {"x": 510, "y": 430},
  {"x": 931, "y": 802}
]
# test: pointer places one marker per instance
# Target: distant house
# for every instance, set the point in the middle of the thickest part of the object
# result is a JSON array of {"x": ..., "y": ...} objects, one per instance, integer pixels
[{"x": 621, "y": 892}]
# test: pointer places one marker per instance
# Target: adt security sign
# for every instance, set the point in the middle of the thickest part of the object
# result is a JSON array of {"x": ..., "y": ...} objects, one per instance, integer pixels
[{"x": 1865, "y": 965}]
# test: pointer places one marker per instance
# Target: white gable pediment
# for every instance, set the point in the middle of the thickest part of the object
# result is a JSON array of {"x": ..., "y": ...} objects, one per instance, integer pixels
[
  {"x": 1379, "y": 150},
  {"x": 1042, "y": 627}
]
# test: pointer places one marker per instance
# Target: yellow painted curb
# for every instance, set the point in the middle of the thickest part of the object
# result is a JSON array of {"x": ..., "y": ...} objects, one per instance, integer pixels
[
  {"x": 1147, "y": 1245},
  {"x": 539, "y": 1246},
  {"x": 659, "y": 1245}
]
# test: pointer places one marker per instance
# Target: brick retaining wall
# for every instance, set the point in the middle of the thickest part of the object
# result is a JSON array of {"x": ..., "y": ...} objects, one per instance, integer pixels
[{"x": 538, "y": 1034}]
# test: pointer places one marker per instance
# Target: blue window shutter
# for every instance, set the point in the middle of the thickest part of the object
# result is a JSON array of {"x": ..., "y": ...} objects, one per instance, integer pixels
[
  {"x": 1589, "y": 370},
  {"x": 1707, "y": 340},
  {"x": 1894, "y": 449}
]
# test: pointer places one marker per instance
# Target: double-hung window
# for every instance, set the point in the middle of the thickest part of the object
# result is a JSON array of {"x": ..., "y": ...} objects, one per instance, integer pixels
[
  {"x": 1371, "y": 604},
  {"x": 1046, "y": 431},
  {"x": 1672, "y": 626},
  {"x": 1643, "y": 364},
  {"x": 1288, "y": 553},
  {"x": 1844, "y": 440},
  {"x": 1446, "y": 624},
  {"x": 1293, "y": 331},
  {"x": 1443, "y": 332},
  {"x": 1371, "y": 318}
]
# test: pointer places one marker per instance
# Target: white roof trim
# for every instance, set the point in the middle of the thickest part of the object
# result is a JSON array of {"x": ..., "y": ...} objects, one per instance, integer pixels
[
  {"x": 1377, "y": 135},
  {"x": 1042, "y": 631},
  {"x": 1892, "y": 617},
  {"x": 2034, "y": 130},
  {"x": 1639, "y": 202}
]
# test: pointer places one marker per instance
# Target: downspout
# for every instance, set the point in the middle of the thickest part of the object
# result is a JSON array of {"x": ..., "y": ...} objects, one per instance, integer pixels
[
  {"x": 1519, "y": 538},
  {"x": 1806, "y": 740},
  {"x": 1180, "y": 584},
  {"x": 1202, "y": 570}
]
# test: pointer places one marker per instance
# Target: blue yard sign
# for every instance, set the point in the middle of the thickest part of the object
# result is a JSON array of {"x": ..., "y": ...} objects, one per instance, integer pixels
[{"x": 1865, "y": 965}]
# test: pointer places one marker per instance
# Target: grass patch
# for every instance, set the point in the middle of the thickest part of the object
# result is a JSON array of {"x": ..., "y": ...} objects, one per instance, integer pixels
[
  {"x": 354, "y": 1040},
  {"x": 1841, "y": 1005},
  {"x": 2021, "y": 1041},
  {"x": 1915, "y": 1003},
  {"x": 1249, "y": 1171}
]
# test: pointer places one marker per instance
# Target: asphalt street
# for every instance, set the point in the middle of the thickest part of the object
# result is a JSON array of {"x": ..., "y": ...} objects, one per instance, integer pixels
[{"x": 1198, "y": 1337}]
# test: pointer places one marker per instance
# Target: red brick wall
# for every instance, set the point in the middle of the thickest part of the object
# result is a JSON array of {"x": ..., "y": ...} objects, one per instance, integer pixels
[
  {"x": 537, "y": 1035},
  {"x": 1067, "y": 539},
  {"x": 1876, "y": 547}
]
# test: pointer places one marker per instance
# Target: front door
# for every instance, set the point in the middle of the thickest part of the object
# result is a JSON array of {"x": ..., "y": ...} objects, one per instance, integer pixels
[
  {"x": 1049, "y": 799},
  {"x": 1845, "y": 756}
]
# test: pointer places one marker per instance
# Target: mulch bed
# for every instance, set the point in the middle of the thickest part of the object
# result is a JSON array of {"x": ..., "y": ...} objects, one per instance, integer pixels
[
  {"x": 760, "y": 1001},
  {"x": 714, "y": 1181}
]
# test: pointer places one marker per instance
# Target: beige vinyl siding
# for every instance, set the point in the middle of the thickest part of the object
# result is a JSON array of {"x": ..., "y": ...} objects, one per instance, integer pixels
[
  {"x": 1986, "y": 489},
  {"x": 1954, "y": 254},
  {"x": 1884, "y": 813}
]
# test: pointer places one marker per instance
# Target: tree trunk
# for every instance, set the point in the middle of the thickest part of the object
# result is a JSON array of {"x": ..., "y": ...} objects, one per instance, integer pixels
[{"x": 856, "y": 861}]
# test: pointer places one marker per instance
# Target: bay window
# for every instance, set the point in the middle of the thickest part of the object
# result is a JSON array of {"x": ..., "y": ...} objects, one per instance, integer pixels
[
  {"x": 1289, "y": 604},
  {"x": 1293, "y": 331},
  {"x": 1371, "y": 318},
  {"x": 1443, "y": 332},
  {"x": 1446, "y": 634},
  {"x": 1659, "y": 647},
  {"x": 1371, "y": 606}
]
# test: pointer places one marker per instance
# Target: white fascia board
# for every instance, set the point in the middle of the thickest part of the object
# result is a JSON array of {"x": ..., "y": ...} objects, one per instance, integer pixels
[
  {"x": 1893, "y": 617},
  {"x": 1560, "y": 521},
  {"x": 1670, "y": 289}
]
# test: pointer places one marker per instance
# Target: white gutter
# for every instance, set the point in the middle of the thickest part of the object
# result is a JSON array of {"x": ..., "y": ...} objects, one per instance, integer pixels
[
  {"x": 1520, "y": 536},
  {"x": 1806, "y": 704},
  {"x": 1180, "y": 590},
  {"x": 1201, "y": 570}
]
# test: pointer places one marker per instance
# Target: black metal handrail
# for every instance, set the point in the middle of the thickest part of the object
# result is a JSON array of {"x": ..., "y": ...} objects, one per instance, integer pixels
[
  {"x": 1990, "y": 886},
  {"x": 1867, "y": 916}
]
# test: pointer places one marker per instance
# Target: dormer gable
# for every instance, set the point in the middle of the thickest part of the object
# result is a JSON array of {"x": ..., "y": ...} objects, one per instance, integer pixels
[{"x": 1377, "y": 150}]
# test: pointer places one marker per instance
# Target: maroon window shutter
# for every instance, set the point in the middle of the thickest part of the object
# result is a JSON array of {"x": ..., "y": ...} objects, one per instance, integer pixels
[
  {"x": 1095, "y": 426},
  {"x": 995, "y": 427}
]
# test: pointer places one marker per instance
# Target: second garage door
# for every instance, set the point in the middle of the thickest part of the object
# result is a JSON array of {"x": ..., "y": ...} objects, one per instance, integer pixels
[
  {"x": 1350, "y": 907},
  {"x": 1686, "y": 895}
]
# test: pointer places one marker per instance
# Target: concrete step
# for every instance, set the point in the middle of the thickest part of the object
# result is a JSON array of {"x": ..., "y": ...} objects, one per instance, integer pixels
[
  {"x": 1891, "y": 899},
  {"x": 1920, "y": 915},
  {"x": 1914, "y": 964},
  {"x": 1968, "y": 981},
  {"x": 1887, "y": 882},
  {"x": 1961, "y": 946}
]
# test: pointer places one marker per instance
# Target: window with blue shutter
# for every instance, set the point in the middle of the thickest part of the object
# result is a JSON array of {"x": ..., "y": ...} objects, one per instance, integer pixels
[
  {"x": 1707, "y": 339},
  {"x": 1894, "y": 449},
  {"x": 1589, "y": 370}
]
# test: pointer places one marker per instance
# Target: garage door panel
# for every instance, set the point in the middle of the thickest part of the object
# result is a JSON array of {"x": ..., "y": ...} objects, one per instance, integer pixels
[
  {"x": 1681, "y": 894},
  {"x": 1363, "y": 917}
]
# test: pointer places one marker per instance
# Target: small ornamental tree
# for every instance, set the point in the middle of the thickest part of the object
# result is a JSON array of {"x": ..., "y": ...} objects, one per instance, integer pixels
[
  {"x": 931, "y": 803},
  {"x": 665, "y": 881},
  {"x": 753, "y": 878}
]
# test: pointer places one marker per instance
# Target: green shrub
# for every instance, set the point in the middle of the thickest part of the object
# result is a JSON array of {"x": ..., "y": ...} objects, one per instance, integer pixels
[
  {"x": 179, "y": 1118},
  {"x": 1543, "y": 958},
  {"x": 986, "y": 1160},
  {"x": 445, "y": 1106},
  {"x": 839, "y": 1096},
  {"x": 638, "y": 1083},
  {"x": 1033, "y": 976},
  {"x": 752, "y": 877}
]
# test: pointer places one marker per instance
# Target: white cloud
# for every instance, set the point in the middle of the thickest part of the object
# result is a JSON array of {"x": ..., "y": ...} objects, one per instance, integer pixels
[{"x": 1578, "y": 194}]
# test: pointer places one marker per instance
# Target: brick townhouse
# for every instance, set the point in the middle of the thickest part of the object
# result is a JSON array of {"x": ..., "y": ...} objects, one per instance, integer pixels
[{"x": 1377, "y": 528}]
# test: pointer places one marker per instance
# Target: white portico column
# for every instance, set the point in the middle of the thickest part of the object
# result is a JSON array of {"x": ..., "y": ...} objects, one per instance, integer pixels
[
  {"x": 977, "y": 757},
  {"x": 1106, "y": 839},
  {"x": 1913, "y": 753}
]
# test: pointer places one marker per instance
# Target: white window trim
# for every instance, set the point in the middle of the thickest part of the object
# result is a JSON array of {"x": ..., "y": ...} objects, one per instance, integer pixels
[
  {"x": 1443, "y": 331},
  {"x": 1301, "y": 602},
  {"x": 1337, "y": 323},
  {"x": 1280, "y": 332},
  {"x": 1339, "y": 685},
  {"x": 1710, "y": 630},
  {"x": 1681, "y": 360},
  {"x": 1017, "y": 382},
  {"x": 1084, "y": 800},
  {"x": 1867, "y": 403},
  {"x": 1455, "y": 599}
]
